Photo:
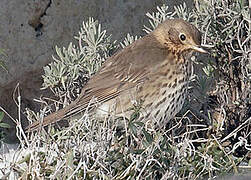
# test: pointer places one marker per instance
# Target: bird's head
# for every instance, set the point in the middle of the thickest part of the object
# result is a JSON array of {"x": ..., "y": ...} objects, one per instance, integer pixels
[{"x": 179, "y": 36}]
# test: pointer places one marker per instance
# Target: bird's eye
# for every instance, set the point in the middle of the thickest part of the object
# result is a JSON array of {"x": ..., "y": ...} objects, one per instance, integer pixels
[{"x": 182, "y": 37}]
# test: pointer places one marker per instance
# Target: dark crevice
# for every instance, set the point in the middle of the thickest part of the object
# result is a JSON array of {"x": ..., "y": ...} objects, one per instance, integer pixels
[
  {"x": 48, "y": 5},
  {"x": 35, "y": 21}
]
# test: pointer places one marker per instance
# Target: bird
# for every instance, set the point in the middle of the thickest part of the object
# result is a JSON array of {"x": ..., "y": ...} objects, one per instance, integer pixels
[{"x": 153, "y": 71}]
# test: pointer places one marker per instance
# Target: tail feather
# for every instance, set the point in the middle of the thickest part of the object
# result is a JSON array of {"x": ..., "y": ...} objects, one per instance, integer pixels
[
  {"x": 81, "y": 103},
  {"x": 50, "y": 119}
]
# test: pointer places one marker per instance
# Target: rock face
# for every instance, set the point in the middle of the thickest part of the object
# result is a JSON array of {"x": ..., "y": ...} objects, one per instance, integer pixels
[{"x": 30, "y": 29}]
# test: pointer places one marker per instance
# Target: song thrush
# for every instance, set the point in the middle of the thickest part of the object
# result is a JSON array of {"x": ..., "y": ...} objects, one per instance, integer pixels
[{"x": 154, "y": 70}]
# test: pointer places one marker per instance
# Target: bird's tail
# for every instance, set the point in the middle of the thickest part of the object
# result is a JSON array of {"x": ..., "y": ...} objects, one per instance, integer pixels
[
  {"x": 79, "y": 105},
  {"x": 85, "y": 101},
  {"x": 50, "y": 119}
]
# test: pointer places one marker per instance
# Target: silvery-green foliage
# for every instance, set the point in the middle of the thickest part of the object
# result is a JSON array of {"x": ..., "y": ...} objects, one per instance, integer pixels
[
  {"x": 129, "y": 39},
  {"x": 158, "y": 17},
  {"x": 223, "y": 22},
  {"x": 183, "y": 12},
  {"x": 226, "y": 27},
  {"x": 77, "y": 63},
  {"x": 164, "y": 13},
  {"x": 94, "y": 44},
  {"x": 66, "y": 66}
]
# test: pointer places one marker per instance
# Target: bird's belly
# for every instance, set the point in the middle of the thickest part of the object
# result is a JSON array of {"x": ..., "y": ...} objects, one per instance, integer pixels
[
  {"x": 167, "y": 102},
  {"x": 160, "y": 101}
]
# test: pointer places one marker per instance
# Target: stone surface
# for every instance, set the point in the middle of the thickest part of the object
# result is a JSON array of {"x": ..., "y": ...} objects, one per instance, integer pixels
[{"x": 30, "y": 30}]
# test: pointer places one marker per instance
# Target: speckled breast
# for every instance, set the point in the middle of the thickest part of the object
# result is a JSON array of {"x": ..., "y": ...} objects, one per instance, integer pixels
[{"x": 167, "y": 93}]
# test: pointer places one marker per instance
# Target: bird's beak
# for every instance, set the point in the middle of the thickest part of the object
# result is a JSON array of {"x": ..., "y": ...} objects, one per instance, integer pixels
[{"x": 199, "y": 49}]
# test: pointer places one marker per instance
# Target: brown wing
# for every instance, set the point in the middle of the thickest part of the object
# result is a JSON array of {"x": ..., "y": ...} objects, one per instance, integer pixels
[{"x": 122, "y": 71}]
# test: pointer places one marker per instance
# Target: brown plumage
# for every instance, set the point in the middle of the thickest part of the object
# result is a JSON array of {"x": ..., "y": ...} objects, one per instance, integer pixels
[{"x": 154, "y": 70}]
